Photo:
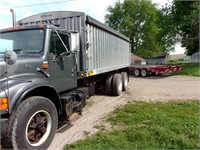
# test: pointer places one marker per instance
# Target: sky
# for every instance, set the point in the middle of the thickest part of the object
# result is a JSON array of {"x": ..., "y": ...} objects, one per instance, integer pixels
[{"x": 94, "y": 8}]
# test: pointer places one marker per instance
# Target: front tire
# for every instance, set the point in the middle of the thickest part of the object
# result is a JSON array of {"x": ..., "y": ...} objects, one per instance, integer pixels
[{"x": 33, "y": 125}]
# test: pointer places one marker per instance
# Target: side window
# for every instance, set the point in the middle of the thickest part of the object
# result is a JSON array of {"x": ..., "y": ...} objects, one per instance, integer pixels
[
  {"x": 56, "y": 45},
  {"x": 52, "y": 44},
  {"x": 65, "y": 39}
]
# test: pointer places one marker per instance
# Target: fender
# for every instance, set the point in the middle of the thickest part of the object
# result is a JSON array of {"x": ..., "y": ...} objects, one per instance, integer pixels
[
  {"x": 39, "y": 90},
  {"x": 30, "y": 85}
]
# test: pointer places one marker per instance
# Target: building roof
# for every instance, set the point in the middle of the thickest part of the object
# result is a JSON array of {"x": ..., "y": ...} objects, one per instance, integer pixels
[
  {"x": 159, "y": 55},
  {"x": 176, "y": 57},
  {"x": 136, "y": 58}
]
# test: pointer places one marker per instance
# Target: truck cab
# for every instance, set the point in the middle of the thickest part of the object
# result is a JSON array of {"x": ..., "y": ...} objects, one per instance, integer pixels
[
  {"x": 37, "y": 62},
  {"x": 48, "y": 71}
]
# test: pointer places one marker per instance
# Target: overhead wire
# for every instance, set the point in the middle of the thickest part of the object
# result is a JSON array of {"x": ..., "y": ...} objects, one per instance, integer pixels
[{"x": 31, "y": 5}]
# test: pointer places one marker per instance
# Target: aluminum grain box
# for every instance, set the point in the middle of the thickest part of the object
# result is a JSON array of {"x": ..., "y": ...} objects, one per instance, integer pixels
[{"x": 102, "y": 49}]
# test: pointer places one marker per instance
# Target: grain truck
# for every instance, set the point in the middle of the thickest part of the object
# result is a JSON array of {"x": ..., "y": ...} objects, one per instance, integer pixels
[{"x": 50, "y": 63}]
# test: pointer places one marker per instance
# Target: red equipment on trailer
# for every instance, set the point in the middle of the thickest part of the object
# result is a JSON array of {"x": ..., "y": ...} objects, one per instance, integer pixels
[{"x": 145, "y": 70}]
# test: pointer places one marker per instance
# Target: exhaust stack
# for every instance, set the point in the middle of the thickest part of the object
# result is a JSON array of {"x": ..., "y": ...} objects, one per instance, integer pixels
[{"x": 13, "y": 17}]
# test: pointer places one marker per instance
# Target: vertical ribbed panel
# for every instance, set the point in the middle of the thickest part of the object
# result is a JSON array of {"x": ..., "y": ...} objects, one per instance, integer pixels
[
  {"x": 106, "y": 51},
  {"x": 101, "y": 48}
]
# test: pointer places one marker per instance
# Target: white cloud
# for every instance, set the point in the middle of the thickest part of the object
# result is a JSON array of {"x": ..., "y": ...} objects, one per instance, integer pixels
[
  {"x": 178, "y": 49},
  {"x": 4, "y": 25},
  {"x": 161, "y": 2},
  {"x": 5, "y": 19},
  {"x": 94, "y": 8},
  {"x": 24, "y": 8}
]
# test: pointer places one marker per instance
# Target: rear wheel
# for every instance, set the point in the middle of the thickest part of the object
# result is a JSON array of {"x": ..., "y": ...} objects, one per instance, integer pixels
[
  {"x": 117, "y": 84},
  {"x": 144, "y": 73},
  {"x": 109, "y": 84},
  {"x": 137, "y": 72},
  {"x": 124, "y": 81},
  {"x": 33, "y": 125}
]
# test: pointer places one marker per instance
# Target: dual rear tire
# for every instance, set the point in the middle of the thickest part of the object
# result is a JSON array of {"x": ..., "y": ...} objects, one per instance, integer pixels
[
  {"x": 116, "y": 83},
  {"x": 142, "y": 72}
]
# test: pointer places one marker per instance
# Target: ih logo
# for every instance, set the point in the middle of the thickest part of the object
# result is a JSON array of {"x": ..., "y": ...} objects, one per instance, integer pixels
[{"x": 47, "y": 16}]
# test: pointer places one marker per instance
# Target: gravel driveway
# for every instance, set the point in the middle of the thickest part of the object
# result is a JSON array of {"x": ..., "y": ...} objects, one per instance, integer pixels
[{"x": 158, "y": 88}]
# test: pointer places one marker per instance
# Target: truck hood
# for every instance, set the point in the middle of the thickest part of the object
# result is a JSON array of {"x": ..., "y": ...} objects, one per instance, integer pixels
[
  {"x": 24, "y": 70},
  {"x": 22, "y": 78}
]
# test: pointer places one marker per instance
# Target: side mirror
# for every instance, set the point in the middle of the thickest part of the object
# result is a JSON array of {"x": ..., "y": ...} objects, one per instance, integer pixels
[
  {"x": 74, "y": 41},
  {"x": 10, "y": 57}
]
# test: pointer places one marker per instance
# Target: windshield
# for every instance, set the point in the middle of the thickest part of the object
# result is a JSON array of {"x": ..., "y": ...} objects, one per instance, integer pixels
[{"x": 23, "y": 41}]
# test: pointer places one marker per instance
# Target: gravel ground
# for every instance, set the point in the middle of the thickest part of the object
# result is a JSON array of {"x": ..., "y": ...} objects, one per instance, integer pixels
[{"x": 158, "y": 88}]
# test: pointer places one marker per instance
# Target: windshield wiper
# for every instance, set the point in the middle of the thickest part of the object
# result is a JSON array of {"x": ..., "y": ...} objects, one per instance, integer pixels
[{"x": 17, "y": 50}]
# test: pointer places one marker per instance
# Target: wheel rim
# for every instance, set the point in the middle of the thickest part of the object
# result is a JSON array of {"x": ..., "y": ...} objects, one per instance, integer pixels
[
  {"x": 143, "y": 73},
  {"x": 136, "y": 72},
  {"x": 38, "y": 128}
]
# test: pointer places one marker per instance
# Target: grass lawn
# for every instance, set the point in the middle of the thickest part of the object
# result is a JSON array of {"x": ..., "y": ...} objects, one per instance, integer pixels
[
  {"x": 143, "y": 125},
  {"x": 189, "y": 68}
]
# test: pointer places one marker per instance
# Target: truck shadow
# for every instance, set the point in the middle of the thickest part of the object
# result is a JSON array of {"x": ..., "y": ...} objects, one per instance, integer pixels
[{"x": 65, "y": 125}]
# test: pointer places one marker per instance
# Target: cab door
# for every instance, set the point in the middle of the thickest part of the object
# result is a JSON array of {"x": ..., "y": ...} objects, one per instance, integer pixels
[{"x": 62, "y": 62}]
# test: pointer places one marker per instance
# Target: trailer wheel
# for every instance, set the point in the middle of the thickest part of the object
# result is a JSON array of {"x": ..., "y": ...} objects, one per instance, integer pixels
[
  {"x": 144, "y": 73},
  {"x": 109, "y": 84},
  {"x": 33, "y": 125},
  {"x": 117, "y": 84},
  {"x": 124, "y": 81},
  {"x": 137, "y": 72}
]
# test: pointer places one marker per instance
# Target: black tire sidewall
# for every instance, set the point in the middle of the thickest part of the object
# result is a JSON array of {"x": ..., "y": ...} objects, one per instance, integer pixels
[
  {"x": 117, "y": 79},
  {"x": 33, "y": 105},
  {"x": 109, "y": 84},
  {"x": 124, "y": 80}
]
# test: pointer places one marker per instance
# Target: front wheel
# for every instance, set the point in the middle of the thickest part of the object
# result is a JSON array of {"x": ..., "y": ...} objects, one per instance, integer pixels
[{"x": 33, "y": 125}]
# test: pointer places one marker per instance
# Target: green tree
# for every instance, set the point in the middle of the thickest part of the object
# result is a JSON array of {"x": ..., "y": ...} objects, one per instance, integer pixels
[
  {"x": 186, "y": 22},
  {"x": 137, "y": 19},
  {"x": 167, "y": 35}
]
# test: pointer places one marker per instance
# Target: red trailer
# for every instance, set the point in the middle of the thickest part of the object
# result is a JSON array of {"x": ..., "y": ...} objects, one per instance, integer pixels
[{"x": 145, "y": 70}]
